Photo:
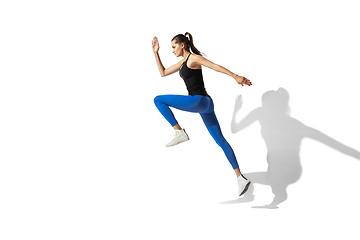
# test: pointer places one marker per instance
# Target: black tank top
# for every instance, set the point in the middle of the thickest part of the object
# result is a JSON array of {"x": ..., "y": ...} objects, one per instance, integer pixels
[{"x": 193, "y": 79}]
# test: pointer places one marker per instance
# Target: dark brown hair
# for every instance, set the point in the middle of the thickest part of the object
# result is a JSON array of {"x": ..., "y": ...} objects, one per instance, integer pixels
[{"x": 189, "y": 44}]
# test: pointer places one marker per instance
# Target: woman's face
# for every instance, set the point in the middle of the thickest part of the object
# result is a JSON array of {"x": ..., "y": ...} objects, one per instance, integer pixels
[{"x": 177, "y": 48}]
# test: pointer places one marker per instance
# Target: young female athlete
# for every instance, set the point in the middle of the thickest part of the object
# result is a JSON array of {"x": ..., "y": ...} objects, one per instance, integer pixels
[{"x": 198, "y": 100}]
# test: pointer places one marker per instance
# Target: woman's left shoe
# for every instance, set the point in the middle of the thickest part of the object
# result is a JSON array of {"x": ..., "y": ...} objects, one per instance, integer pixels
[
  {"x": 244, "y": 184},
  {"x": 179, "y": 137}
]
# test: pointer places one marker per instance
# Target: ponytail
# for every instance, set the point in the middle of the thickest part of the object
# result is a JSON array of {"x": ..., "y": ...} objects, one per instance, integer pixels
[
  {"x": 191, "y": 44},
  {"x": 188, "y": 41}
]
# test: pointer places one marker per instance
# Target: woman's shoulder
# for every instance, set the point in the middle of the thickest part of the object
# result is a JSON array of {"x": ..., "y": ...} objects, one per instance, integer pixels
[
  {"x": 195, "y": 61},
  {"x": 196, "y": 57}
]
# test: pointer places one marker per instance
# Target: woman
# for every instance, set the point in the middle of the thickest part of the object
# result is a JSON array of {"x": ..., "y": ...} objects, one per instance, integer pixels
[{"x": 198, "y": 100}]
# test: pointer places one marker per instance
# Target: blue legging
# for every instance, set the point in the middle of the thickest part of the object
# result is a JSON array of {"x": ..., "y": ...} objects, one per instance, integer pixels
[{"x": 196, "y": 104}]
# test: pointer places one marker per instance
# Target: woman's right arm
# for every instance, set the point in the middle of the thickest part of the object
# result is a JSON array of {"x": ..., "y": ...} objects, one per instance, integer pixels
[{"x": 163, "y": 72}]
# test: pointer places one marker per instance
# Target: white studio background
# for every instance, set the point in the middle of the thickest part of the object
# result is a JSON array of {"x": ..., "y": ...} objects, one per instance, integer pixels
[{"x": 82, "y": 144}]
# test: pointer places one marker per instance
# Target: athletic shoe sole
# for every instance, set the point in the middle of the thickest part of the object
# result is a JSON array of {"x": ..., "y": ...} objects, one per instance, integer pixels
[
  {"x": 177, "y": 143},
  {"x": 245, "y": 189}
]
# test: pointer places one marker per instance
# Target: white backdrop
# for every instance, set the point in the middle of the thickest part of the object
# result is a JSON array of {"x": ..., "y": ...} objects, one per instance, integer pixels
[{"x": 82, "y": 144}]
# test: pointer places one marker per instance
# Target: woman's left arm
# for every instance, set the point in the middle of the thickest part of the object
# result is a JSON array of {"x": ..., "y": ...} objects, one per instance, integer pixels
[{"x": 203, "y": 61}]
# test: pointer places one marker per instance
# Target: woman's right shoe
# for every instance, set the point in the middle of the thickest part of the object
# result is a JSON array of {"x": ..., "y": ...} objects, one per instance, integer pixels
[
  {"x": 179, "y": 137},
  {"x": 243, "y": 183}
]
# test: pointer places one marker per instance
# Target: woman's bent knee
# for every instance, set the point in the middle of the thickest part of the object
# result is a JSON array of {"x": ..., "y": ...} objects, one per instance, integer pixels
[{"x": 157, "y": 100}]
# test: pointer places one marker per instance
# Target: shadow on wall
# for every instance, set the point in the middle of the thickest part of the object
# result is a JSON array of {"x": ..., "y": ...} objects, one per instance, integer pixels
[{"x": 282, "y": 135}]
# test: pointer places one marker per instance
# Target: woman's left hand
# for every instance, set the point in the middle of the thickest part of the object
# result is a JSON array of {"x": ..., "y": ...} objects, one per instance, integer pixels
[
  {"x": 155, "y": 45},
  {"x": 242, "y": 80}
]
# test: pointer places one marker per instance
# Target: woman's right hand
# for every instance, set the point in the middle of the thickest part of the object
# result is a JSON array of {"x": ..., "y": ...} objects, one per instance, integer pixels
[
  {"x": 242, "y": 80},
  {"x": 155, "y": 45}
]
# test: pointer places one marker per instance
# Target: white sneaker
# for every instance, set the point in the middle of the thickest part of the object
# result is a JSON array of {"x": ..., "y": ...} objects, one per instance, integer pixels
[
  {"x": 244, "y": 184},
  {"x": 179, "y": 137}
]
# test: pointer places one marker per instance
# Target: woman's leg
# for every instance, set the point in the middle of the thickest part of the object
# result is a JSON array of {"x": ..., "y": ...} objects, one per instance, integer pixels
[
  {"x": 189, "y": 103},
  {"x": 160, "y": 103},
  {"x": 177, "y": 127},
  {"x": 213, "y": 127},
  {"x": 185, "y": 103}
]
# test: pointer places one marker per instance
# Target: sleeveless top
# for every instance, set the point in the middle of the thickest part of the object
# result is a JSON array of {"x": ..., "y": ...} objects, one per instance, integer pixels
[{"x": 193, "y": 80}]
